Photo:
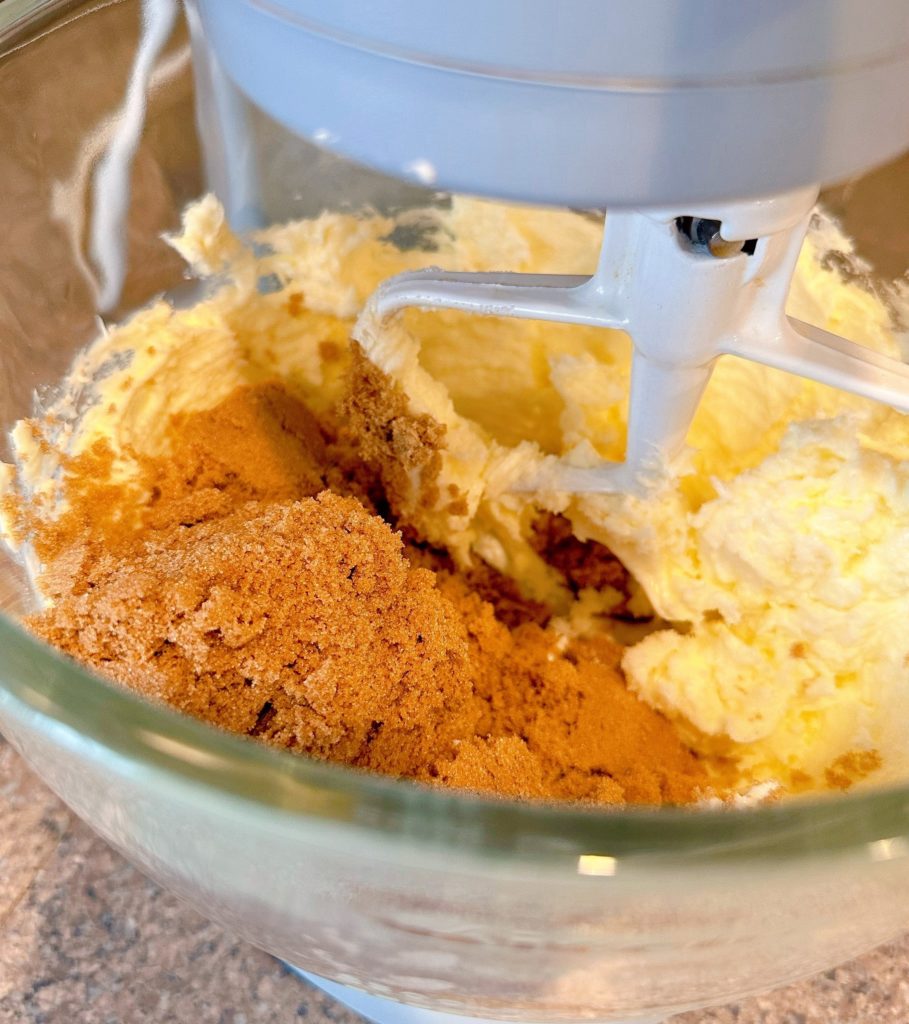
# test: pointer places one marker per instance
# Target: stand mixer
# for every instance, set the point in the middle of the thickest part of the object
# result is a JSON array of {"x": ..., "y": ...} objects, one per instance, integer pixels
[{"x": 711, "y": 174}]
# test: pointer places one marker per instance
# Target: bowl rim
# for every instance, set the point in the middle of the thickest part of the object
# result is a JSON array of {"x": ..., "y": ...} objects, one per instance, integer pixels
[
  {"x": 21, "y": 18},
  {"x": 56, "y": 691}
]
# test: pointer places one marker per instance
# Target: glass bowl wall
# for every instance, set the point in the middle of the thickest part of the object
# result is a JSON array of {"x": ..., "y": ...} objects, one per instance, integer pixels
[{"x": 476, "y": 907}]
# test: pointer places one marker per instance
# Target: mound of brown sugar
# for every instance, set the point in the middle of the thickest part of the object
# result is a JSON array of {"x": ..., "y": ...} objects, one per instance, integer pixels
[
  {"x": 228, "y": 580},
  {"x": 296, "y": 621}
]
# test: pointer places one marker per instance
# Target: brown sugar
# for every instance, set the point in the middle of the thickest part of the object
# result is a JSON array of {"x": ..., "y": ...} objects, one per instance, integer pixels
[
  {"x": 382, "y": 432},
  {"x": 582, "y": 563},
  {"x": 298, "y": 621},
  {"x": 852, "y": 767},
  {"x": 228, "y": 580},
  {"x": 510, "y": 606},
  {"x": 593, "y": 739}
]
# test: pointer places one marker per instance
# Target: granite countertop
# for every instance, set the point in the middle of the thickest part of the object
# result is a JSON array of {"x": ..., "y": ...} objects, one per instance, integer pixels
[{"x": 87, "y": 939}]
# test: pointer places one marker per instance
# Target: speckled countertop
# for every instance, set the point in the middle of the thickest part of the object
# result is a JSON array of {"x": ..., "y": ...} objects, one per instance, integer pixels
[{"x": 87, "y": 939}]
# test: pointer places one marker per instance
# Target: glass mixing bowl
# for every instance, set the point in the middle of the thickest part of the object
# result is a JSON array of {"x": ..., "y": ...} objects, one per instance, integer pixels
[{"x": 440, "y": 900}]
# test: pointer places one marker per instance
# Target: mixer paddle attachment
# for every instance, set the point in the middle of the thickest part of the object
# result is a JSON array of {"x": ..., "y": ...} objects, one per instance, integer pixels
[{"x": 687, "y": 289}]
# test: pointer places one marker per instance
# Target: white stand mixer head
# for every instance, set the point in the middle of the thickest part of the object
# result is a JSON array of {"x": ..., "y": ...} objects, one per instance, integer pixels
[{"x": 581, "y": 103}]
